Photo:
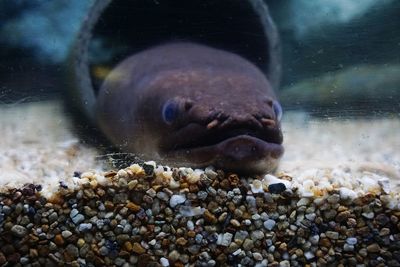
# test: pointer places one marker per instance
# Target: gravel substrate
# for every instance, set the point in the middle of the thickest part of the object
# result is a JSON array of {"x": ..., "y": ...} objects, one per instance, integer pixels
[
  {"x": 333, "y": 201},
  {"x": 156, "y": 216}
]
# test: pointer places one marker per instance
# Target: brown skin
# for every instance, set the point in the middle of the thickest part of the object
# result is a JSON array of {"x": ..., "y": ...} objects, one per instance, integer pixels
[{"x": 188, "y": 104}]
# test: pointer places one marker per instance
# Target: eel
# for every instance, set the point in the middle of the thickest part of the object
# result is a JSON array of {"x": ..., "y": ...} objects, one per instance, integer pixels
[{"x": 187, "y": 104}]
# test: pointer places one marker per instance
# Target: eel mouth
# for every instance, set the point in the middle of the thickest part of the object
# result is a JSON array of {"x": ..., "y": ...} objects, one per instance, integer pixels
[{"x": 226, "y": 148}]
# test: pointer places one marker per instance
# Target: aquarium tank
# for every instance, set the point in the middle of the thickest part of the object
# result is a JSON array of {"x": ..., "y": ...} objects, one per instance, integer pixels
[{"x": 199, "y": 133}]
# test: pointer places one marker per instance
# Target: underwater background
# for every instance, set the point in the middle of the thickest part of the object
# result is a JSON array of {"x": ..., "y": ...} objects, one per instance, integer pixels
[{"x": 339, "y": 57}]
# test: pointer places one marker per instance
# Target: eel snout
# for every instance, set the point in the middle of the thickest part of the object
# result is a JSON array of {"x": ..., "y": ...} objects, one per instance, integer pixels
[{"x": 226, "y": 138}]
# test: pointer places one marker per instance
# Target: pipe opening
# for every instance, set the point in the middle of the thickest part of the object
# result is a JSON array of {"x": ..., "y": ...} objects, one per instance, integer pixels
[{"x": 126, "y": 27}]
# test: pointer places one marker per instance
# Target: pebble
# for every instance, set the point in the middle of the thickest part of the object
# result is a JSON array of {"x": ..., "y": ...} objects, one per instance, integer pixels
[
  {"x": 164, "y": 262},
  {"x": 224, "y": 239},
  {"x": 257, "y": 187},
  {"x": 314, "y": 239},
  {"x": 257, "y": 235},
  {"x": 346, "y": 193},
  {"x": 65, "y": 234},
  {"x": 174, "y": 255},
  {"x": 257, "y": 256},
  {"x": 309, "y": 255},
  {"x": 72, "y": 251},
  {"x": 303, "y": 202},
  {"x": 276, "y": 188},
  {"x": 104, "y": 251},
  {"x": 19, "y": 230},
  {"x": 137, "y": 248},
  {"x": 84, "y": 227},
  {"x": 373, "y": 248},
  {"x": 347, "y": 247},
  {"x": 269, "y": 224},
  {"x": 205, "y": 219},
  {"x": 78, "y": 219},
  {"x": 351, "y": 240},
  {"x": 248, "y": 244},
  {"x": 176, "y": 200},
  {"x": 332, "y": 235},
  {"x": 270, "y": 179}
]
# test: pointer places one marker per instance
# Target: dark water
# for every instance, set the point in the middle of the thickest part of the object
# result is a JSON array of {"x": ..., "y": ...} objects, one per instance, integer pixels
[{"x": 323, "y": 45}]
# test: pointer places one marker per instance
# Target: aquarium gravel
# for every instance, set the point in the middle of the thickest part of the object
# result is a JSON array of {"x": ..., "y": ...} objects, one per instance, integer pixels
[
  {"x": 157, "y": 216},
  {"x": 333, "y": 201}
]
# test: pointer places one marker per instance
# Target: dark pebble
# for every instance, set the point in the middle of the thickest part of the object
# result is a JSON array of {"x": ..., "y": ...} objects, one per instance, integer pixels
[
  {"x": 276, "y": 188},
  {"x": 148, "y": 169}
]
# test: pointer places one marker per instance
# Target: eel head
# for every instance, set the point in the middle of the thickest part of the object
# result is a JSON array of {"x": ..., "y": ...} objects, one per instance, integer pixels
[{"x": 242, "y": 135}]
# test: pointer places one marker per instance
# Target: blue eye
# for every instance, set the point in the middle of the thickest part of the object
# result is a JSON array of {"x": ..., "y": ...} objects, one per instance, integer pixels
[
  {"x": 170, "y": 111},
  {"x": 278, "y": 110}
]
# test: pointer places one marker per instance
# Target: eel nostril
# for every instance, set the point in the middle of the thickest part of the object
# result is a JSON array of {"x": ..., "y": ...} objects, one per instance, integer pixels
[
  {"x": 188, "y": 105},
  {"x": 269, "y": 102}
]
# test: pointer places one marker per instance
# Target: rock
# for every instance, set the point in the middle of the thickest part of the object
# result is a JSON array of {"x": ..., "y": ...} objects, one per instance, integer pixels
[
  {"x": 257, "y": 235},
  {"x": 137, "y": 248},
  {"x": 164, "y": 262},
  {"x": 84, "y": 227},
  {"x": 65, "y": 234},
  {"x": 224, "y": 239},
  {"x": 373, "y": 248},
  {"x": 174, "y": 255},
  {"x": 248, "y": 244},
  {"x": 277, "y": 188},
  {"x": 332, "y": 235},
  {"x": 210, "y": 217},
  {"x": 176, "y": 200},
  {"x": 351, "y": 240},
  {"x": 269, "y": 224},
  {"x": 72, "y": 251},
  {"x": 19, "y": 231}
]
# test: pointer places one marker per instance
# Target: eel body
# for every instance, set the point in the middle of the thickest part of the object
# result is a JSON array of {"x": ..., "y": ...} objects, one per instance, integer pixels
[{"x": 186, "y": 104}]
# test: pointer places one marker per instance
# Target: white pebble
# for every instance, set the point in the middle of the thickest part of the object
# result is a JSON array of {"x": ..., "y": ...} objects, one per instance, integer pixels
[
  {"x": 164, "y": 262},
  {"x": 122, "y": 174},
  {"x": 237, "y": 252},
  {"x": 173, "y": 184},
  {"x": 385, "y": 184},
  {"x": 369, "y": 184},
  {"x": 311, "y": 216},
  {"x": 247, "y": 222},
  {"x": 306, "y": 193},
  {"x": 195, "y": 176},
  {"x": 83, "y": 227},
  {"x": 269, "y": 224},
  {"x": 176, "y": 200},
  {"x": 263, "y": 263},
  {"x": 188, "y": 211},
  {"x": 309, "y": 255},
  {"x": 256, "y": 187},
  {"x": 308, "y": 184},
  {"x": 190, "y": 225},
  {"x": 346, "y": 193},
  {"x": 351, "y": 240},
  {"x": 303, "y": 202},
  {"x": 224, "y": 239}
]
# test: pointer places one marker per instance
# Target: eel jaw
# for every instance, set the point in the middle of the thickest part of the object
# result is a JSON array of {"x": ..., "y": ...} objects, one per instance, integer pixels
[{"x": 242, "y": 153}]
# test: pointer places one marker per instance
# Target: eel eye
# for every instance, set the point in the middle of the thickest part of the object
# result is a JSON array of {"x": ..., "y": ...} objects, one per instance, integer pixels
[
  {"x": 277, "y": 110},
  {"x": 170, "y": 111}
]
